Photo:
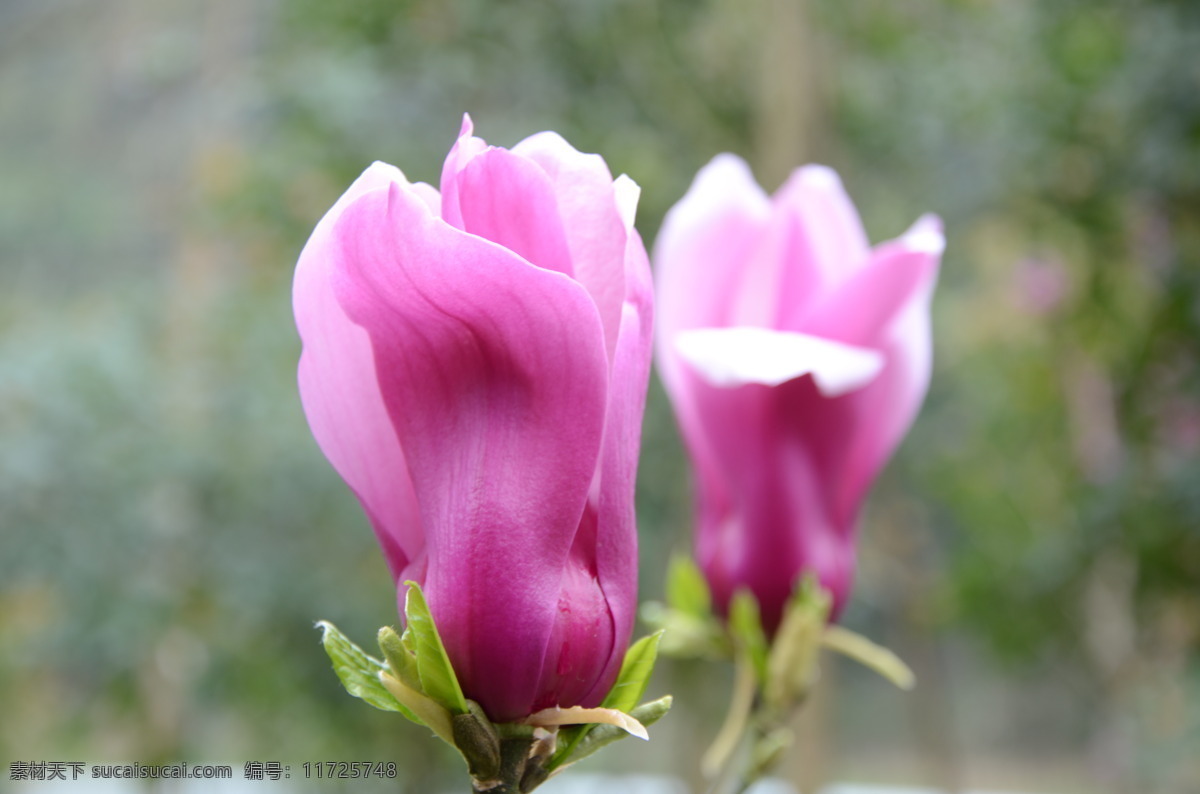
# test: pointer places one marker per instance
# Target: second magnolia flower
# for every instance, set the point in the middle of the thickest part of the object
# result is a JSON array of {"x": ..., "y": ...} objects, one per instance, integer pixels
[
  {"x": 475, "y": 365},
  {"x": 796, "y": 357}
]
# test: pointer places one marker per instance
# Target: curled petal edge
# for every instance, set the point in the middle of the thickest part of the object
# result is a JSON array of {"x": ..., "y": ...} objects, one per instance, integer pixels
[{"x": 743, "y": 355}]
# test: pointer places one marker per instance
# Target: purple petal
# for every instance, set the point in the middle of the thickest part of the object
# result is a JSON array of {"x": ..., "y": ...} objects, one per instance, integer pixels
[
  {"x": 510, "y": 200},
  {"x": 616, "y": 539},
  {"x": 825, "y": 241},
  {"x": 699, "y": 257},
  {"x": 339, "y": 391},
  {"x": 862, "y": 308},
  {"x": 494, "y": 375},
  {"x": 895, "y": 313}
]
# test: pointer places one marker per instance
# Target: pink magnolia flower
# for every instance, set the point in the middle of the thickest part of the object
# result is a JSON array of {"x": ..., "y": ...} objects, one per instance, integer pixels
[
  {"x": 796, "y": 358},
  {"x": 475, "y": 367}
]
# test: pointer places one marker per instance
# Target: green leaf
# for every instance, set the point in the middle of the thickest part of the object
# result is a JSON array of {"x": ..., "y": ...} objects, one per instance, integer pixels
[
  {"x": 602, "y": 735},
  {"x": 745, "y": 625},
  {"x": 687, "y": 589},
  {"x": 635, "y": 674},
  {"x": 438, "y": 680},
  {"x": 399, "y": 657},
  {"x": 358, "y": 672},
  {"x": 880, "y": 659}
]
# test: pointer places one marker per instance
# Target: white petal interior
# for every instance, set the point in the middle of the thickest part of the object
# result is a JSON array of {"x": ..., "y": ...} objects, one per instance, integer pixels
[{"x": 730, "y": 357}]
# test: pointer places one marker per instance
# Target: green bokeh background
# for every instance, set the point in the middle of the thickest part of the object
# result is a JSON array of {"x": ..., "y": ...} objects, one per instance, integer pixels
[{"x": 170, "y": 531}]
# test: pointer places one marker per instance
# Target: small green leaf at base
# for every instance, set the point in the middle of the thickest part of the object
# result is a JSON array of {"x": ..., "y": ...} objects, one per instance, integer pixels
[
  {"x": 438, "y": 680},
  {"x": 635, "y": 674},
  {"x": 358, "y": 672},
  {"x": 878, "y": 658}
]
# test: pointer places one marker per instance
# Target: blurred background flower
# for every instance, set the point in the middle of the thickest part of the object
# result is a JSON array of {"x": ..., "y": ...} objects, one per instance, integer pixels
[
  {"x": 796, "y": 357},
  {"x": 170, "y": 531}
]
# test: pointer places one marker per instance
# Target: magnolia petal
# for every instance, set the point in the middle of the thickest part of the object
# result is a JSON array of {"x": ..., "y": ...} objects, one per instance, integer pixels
[
  {"x": 596, "y": 216},
  {"x": 698, "y": 256},
  {"x": 616, "y": 525},
  {"x": 703, "y": 245},
  {"x": 731, "y": 357},
  {"x": 926, "y": 235},
  {"x": 577, "y": 715},
  {"x": 627, "y": 193},
  {"x": 464, "y": 150},
  {"x": 836, "y": 243},
  {"x": 494, "y": 376},
  {"x": 864, "y": 308},
  {"x": 339, "y": 390},
  {"x": 509, "y": 200},
  {"x": 886, "y": 305}
]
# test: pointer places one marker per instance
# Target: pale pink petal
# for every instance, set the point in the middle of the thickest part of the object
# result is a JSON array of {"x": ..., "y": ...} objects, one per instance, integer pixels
[
  {"x": 699, "y": 256},
  {"x": 594, "y": 219},
  {"x": 886, "y": 305},
  {"x": 863, "y": 307},
  {"x": 704, "y": 243},
  {"x": 890, "y": 404},
  {"x": 429, "y": 194},
  {"x": 832, "y": 229},
  {"x": 339, "y": 391},
  {"x": 511, "y": 201},
  {"x": 464, "y": 150},
  {"x": 494, "y": 376},
  {"x": 627, "y": 194}
]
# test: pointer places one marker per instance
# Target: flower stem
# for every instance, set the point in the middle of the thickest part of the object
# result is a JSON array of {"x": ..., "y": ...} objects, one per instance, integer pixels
[{"x": 514, "y": 767}]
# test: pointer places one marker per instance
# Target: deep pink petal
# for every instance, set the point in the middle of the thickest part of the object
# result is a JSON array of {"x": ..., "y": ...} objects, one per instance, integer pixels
[
  {"x": 774, "y": 521},
  {"x": 494, "y": 375},
  {"x": 339, "y": 392},
  {"x": 616, "y": 542}
]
